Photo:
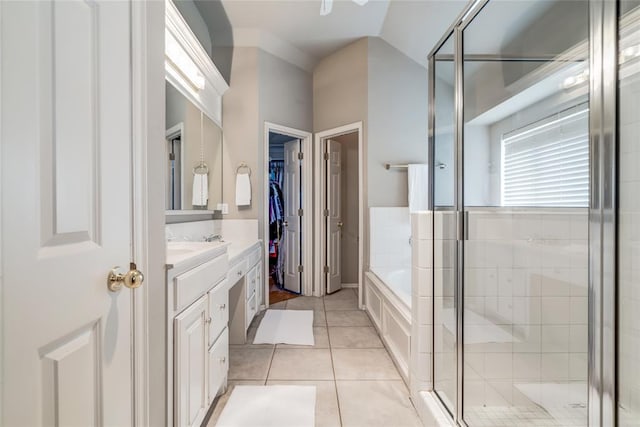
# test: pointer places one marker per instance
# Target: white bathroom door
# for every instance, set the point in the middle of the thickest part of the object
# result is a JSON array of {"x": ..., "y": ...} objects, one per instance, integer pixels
[
  {"x": 334, "y": 217},
  {"x": 292, "y": 219},
  {"x": 66, "y": 212}
]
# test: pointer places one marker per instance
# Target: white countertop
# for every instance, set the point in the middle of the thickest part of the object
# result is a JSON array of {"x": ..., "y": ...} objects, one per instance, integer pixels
[
  {"x": 237, "y": 249},
  {"x": 186, "y": 255}
]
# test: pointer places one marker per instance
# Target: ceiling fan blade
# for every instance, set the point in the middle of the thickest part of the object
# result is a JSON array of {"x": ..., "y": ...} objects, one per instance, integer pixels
[{"x": 325, "y": 7}]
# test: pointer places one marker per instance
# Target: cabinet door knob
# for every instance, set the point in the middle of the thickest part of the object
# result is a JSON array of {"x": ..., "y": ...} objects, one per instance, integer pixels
[
  {"x": 223, "y": 360},
  {"x": 208, "y": 320},
  {"x": 239, "y": 273}
]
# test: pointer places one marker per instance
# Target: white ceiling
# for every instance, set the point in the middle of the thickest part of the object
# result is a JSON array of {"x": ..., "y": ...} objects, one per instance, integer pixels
[{"x": 295, "y": 31}]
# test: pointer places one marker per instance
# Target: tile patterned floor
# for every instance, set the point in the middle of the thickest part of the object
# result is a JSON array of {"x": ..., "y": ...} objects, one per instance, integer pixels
[{"x": 357, "y": 382}]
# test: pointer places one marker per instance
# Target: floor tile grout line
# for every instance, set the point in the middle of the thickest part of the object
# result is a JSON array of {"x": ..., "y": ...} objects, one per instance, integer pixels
[
  {"x": 273, "y": 354},
  {"x": 333, "y": 368}
]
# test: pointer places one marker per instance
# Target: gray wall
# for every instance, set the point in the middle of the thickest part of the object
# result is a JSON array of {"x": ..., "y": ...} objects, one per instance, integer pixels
[
  {"x": 241, "y": 130},
  {"x": 263, "y": 88},
  {"x": 397, "y": 121},
  {"x": 349, "y": 193},
  {"x": 340, "y": 88}
]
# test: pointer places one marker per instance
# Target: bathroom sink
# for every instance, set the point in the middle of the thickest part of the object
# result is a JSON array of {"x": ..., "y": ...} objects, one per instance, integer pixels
[
  {"x": 180, "y": 251},
  {"x": 185, "y": 247},
  {"x": 176, "y": 251}
]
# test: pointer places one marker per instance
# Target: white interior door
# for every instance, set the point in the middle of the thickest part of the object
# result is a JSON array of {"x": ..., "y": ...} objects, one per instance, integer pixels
[
  {"x": 66, "y": 212},
  {"x": 334, "y": 218},
  {"x": 292, "y": 220}
]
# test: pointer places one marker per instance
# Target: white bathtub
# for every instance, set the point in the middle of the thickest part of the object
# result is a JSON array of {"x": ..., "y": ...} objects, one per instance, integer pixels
[
  {"x": 398, "y": 280},
  {"x": 387, "y": 299}
]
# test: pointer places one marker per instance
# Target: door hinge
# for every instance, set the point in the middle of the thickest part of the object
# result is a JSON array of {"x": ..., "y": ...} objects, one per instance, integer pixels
[
  {"x": 300, "y": 212},
  {"x": 300, "y": 269},
  {"x": 172, "y": 156},
  {"x": 326, "y": 212},
  {"x": 326, "y": 268},
  {"x": 326, "y": 156},
  {"x": 300, "y": 155}
]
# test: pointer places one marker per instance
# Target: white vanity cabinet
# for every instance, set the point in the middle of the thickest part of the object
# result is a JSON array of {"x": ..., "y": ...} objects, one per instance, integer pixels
[
  {"x": 197, "y": 335},
  {"x": 211, "y": 301},
  {"x": 246, "y": 291},
  {"x": 191, "y": 364}
]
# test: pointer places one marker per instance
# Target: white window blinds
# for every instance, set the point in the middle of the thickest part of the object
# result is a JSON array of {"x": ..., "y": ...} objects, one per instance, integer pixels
[{"x": 547, "y": 162}]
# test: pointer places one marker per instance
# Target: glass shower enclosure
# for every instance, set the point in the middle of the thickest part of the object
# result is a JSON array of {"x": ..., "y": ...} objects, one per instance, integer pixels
[{"x": 534, "y": 129}]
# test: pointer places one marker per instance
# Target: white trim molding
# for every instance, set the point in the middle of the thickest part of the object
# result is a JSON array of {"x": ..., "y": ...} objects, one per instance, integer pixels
[
  {"x": 307, "y": 205},
  {"x": 320, "y": 199},
  {"x": 180, "y": 42}
]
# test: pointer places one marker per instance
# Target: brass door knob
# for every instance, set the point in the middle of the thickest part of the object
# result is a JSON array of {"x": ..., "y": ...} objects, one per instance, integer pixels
[
  {"x": 132, "y": 279},
  {"x": 340, "y": 224},
  {"x": 285, "y": 223}
]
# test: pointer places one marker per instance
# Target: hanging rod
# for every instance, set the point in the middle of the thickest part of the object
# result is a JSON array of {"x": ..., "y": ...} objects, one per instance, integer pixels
[{"x": 388, "y": 166}]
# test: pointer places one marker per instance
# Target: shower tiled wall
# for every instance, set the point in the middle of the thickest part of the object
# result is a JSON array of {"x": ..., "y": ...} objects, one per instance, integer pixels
[{"x": 422, "y": 301}]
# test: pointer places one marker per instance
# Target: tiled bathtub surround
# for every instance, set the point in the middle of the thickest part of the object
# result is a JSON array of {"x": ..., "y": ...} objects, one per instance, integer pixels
[
  {"x": 390, "y": 230},
  {"x": 525, "y": 318},
  {"x": 390, "y": 249}
]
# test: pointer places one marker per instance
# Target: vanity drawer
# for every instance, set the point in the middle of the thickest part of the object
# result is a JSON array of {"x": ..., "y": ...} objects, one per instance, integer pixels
[
  {"x": 196, "y": 282},
  {"x": 218, "y": 310},
  {"x": 218, "y": 365},
  {"x": 252, "y": 280},
  {"x": 254, "y": 256},
  {"x": 237, "y": 270}
]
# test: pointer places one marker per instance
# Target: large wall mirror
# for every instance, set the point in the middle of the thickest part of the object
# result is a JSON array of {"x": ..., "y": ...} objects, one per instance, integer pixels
[
  {"x": 193, "y": 144},
  {"x": 194, "y": 156}
]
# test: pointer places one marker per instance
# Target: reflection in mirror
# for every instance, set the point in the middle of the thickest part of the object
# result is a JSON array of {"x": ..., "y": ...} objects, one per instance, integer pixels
[{"x": 194, "y": 156}]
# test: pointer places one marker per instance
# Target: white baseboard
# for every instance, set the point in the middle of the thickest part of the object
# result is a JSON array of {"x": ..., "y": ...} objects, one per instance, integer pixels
[{"x": 349, "y": 285}]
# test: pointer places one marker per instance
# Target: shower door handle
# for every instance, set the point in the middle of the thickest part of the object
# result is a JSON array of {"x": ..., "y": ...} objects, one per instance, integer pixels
[{"x": 462, "y": 225}]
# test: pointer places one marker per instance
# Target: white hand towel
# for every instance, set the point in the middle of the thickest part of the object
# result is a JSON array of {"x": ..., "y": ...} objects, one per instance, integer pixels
[
  {"x": 200, "y": 189},
  {"x": 418, "y": 175},
  {"x": 243, "y": 189}
]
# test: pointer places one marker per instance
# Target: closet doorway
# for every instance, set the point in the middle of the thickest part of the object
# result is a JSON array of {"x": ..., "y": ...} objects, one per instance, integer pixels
[
  {"x": 340, "y": 206},
  {"x": 286, "y": 175}
]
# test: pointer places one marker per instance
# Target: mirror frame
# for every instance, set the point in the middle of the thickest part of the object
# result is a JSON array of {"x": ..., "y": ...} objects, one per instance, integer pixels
[{"x": 209, "y": 98}]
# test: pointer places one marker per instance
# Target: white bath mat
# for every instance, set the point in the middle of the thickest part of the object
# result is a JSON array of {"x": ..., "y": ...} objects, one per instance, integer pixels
[
  {"x": 270, "y": 406},
  {"x": 286, "y": 327}
]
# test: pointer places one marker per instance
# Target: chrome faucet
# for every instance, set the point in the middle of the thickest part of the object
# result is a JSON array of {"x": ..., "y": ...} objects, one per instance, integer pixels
[{"x": 213, "y": 238}]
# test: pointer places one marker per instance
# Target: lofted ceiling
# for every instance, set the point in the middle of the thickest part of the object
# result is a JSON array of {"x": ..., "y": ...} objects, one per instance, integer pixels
[{"x": 295, "y": 31}]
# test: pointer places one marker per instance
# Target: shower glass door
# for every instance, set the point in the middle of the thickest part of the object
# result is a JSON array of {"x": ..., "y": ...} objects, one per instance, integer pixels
[
  {"x": 628, "y": 359},
  {"x": 444, "y": 331},
  {"x": 525, "y": 147}
]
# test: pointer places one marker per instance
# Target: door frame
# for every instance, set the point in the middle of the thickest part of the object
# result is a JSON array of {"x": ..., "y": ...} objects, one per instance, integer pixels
[
  {"x": 320, "y": 205},
  {"x": 307, "y": 204},
  {"x": 148, "y": 215}
]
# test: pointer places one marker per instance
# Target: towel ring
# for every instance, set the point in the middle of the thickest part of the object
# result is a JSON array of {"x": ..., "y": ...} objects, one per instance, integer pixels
[
  {"x": 201, "y": 169},
  {"x": 243, "y": 166}
]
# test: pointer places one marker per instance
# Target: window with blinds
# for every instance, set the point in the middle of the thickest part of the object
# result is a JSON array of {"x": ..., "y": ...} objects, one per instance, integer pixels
[{"x": 547, "y": 162}]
